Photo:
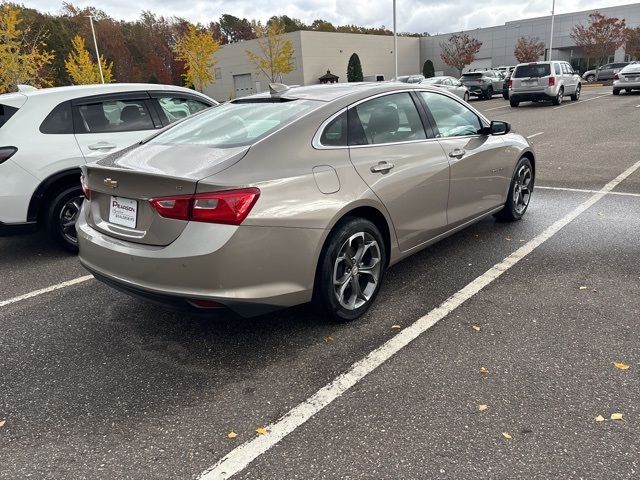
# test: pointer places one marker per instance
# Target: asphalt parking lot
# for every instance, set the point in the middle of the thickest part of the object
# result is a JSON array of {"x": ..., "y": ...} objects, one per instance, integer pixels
[{"x": 97, "y": 385}]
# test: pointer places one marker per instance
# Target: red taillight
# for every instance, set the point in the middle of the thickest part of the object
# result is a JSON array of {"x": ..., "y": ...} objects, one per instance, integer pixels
[
  {"x": 85, "y": 188},
  {"x": 6, "y": 153},
  {"x": 552, "y": 81},
  {"x": 229, "y": 206},
  {"x": 510, "y": 83}
]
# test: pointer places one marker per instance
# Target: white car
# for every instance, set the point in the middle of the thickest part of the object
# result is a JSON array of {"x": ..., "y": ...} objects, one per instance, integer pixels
[{"x": 45, "y": 135}]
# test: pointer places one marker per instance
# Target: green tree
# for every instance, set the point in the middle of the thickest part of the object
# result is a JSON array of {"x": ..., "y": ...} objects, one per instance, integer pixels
[
  {"x": 82, "y": 69},
  {"x": 23, "y": 57},
  {"x": 197, "y": 49},
  {"x": 354, "y": 69},
  {"x": 276, "y": 51},
  {"x": 427, "y": 69}
]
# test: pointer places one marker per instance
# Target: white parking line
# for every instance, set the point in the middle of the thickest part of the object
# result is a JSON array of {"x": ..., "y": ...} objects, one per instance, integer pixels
[
  {"x": 496, "y": 108},
  {"x": 581, "y": 101},
  {"x": 240, "y": 457},
  {"x": 35, "y": 293},
  {"x": 580, "y": 190},
  {"x": 637, "y": 106},
  {"x": 535, "y": 134}
]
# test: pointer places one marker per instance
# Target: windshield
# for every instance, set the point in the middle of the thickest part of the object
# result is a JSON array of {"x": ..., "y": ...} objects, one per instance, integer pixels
[
  {"x": 633, "y": 68},
  {"x": 433, "y": 80},
  {"x": 536, "y": 70},
  {"x": 235, "y": 124}
]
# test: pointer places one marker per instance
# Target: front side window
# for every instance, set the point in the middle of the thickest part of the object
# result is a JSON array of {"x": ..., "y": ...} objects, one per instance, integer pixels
[
  {"x": 451, "y": 117},
  {"x": 113, "y": 116},
  {"x": 177, "y": 108},
  {"x": 388, "y": 119}
]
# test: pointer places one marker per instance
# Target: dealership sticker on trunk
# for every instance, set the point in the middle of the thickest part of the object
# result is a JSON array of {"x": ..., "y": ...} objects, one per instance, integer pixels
[{"x": 123, "y": 211}]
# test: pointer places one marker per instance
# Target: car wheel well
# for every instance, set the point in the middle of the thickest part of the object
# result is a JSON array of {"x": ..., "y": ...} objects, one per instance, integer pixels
[
  {"x": 378, "y": 219},
  {"x": 48, "y": 189},
  {"x": 532, "y": 159}
]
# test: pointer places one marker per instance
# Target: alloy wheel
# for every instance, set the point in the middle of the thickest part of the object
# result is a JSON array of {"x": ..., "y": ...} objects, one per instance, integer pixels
[
  {"x": 67, "y": 219},
  {"x": 356, "y": 271},
  {"x": 522, "y": 189}
]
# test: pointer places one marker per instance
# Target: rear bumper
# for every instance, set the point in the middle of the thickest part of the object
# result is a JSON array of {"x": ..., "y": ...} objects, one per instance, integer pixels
[
  {"x": 621, "y": 85},
  {"x": 529, "y": 96},
  {"x": 477, "y": 90},
  {"x": 249, "y": 270},
  {"x": 17, "y": 228}
]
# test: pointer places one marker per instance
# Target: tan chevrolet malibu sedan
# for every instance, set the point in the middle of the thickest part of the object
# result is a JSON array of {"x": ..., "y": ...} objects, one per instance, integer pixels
[{"x": 298, "y": 194}]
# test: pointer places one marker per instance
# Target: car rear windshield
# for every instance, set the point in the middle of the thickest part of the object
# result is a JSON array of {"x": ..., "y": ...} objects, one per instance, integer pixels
[
  {"x": 235, "y": 124},
  {"x": 633, "y": 68},
  {"x": 6, "y": 112},
  {"x": 472, "y": 75},
  {"x": 533, "y": 71}
]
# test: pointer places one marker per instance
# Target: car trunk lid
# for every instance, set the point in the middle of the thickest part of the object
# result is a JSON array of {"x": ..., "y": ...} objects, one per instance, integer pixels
[{"x": 122, "y": 185}]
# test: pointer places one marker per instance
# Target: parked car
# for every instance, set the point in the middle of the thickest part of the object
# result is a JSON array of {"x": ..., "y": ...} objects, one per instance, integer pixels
[
  {"x": 410, "y": 78},
  {"x": 537, "y": 81},
  {"x": 451, "y": 84},
  {"x": 605, "y": 72},
  {"x": 627, "y": 79},
  {"x": 45, "y": 135},
  {"x": 276, "y": 199},
  {"x": 482, "y": 84}
]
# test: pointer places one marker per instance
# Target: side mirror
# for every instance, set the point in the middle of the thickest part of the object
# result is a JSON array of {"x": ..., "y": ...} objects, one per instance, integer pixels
[{"x": 499, "y": 128}]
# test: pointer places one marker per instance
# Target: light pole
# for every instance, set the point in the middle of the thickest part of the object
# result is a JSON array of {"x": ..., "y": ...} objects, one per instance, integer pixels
[
  {"x": 553, "y": 10},
  {"x": 395, "y": 41},
  {"x": 95, "y": 43}
]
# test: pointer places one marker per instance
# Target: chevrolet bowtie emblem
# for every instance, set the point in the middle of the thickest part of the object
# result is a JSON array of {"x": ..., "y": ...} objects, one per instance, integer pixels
[{"x": 110, "y": 183}]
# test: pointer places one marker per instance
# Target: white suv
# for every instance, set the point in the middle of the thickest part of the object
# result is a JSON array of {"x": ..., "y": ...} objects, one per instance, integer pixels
[
  {"x": 543, "y": 81},
  {"x": 45, "y": 135}
]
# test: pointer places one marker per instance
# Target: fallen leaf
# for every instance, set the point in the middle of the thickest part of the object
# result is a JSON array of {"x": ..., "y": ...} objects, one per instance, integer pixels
[
  {"x": 482, "y": 408},
  {"x": 508, "y": 239},
  {"x": 232, "y": 434},
  {"x": 328, "y": 339},
  {"x": 583, "y": 287},
  {"x": 2, "y": 422},
  {"x": 261, "y": 431},
  {"x": 506, "y": 435},
  {"x": 599, "y": 418},
  {"x": 476, "y": 327},
  {"x": 396, "y": 326},
  {"x": 484, "y": 370},
  {"x": 621, "y": 366},
  {"x": 616, "y": 416}
]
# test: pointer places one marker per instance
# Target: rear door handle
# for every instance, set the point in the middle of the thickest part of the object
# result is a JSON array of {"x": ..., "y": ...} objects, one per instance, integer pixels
[
  {"x": 457, "y": 153},
  {"x": 382, "y": 167},
  {"x": 102, "y": 146}
]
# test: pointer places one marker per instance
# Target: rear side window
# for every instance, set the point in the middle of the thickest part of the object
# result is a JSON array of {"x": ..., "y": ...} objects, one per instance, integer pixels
[
  {"x": 335, "y": 133},
  {"x": 59, "y": 120},
  {"x": 557, "y": 68},
  {"x": 6, "y": 112},
  {"x": 177, "y": 108},
  {"x": 113, "y": 116},
  {"x": 536, "y": 70}
]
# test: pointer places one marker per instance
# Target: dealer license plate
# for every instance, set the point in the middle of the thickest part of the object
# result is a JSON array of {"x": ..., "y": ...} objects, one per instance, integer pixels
[{"x": 123, "y": 211}]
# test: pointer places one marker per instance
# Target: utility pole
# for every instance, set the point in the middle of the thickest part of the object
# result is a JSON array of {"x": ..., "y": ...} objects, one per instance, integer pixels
[
  {"x": 395, "y": 40},
  {"x": 553, "y": 11},
  {"x": 95, "y": 43}
]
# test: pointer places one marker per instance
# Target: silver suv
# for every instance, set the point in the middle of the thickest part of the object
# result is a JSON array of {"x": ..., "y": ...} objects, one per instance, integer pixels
[{"x": 543, "y": 81}]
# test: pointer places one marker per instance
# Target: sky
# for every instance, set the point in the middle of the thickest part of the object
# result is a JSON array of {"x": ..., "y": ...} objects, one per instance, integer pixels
[{"x": 433, "y": 16}]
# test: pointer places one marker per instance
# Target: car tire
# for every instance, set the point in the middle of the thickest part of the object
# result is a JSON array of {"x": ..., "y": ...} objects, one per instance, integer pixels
[
  {"x": 616, "y": 91},
  {"x": 591, "y": 78},
  {"x": 576, "y": 95},
  {"x": 61, "y": 216},
  {"x": 465, "y": 97},
  {"x": 514, "y": 103},
  {"x": 519, "y": 194},
  {"x": 489, "y": 93},
  {"x": 505, "y": 96},
  {"x": 557, "y": 100},
  {"x": 338, "y": 277}
]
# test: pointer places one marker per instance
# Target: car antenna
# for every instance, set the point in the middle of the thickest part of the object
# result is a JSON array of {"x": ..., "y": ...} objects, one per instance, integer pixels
[{"x": 278, "y": 88}]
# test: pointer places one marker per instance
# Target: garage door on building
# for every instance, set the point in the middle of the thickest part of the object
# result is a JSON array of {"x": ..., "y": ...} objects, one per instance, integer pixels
[
  {"x": 242, "y": 84},
  {"x": 479, "y": 63}
]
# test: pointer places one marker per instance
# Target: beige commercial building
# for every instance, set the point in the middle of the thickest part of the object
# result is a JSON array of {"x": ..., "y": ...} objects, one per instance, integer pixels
[{"x": 314, "y": 54}]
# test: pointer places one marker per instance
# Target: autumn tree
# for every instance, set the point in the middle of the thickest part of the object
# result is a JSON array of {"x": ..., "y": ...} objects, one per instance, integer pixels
[
  {"x": 276, "y": 51},
  {"x": 459, "y": 51},
  {"x": 354, "y": 69},
  {"x": 82, "y": 69},
  {"x": 197, "y": 49},
  {"x": 632, "y": 42},
  {"x": 528, "y": 49},
  {"x": 601, "y": 38},
  {"x": 23, "y": 56}
]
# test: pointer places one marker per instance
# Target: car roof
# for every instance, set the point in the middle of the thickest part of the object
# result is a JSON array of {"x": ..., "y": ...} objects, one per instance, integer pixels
[{"x": 75, "y": 91}]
